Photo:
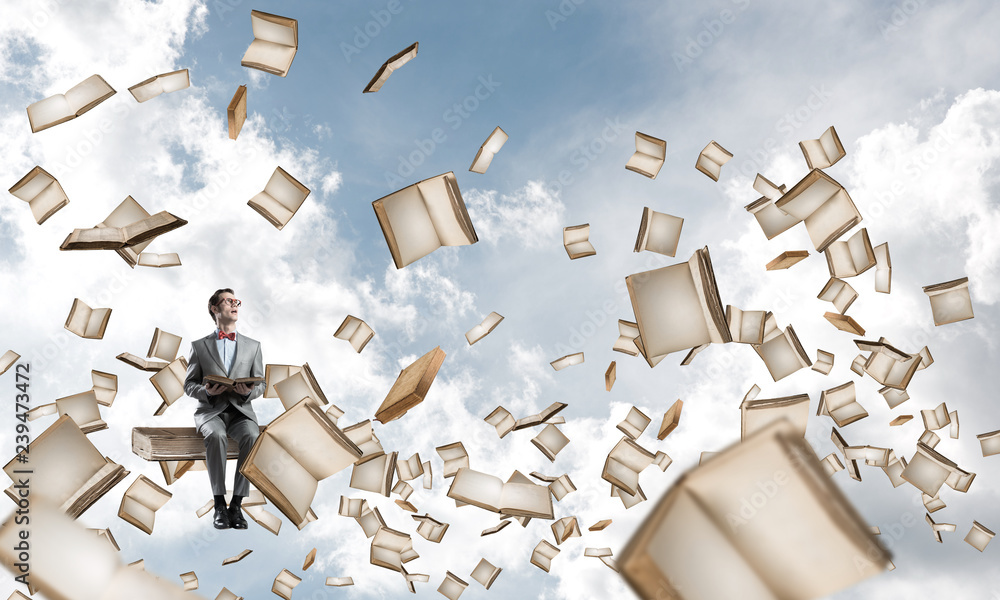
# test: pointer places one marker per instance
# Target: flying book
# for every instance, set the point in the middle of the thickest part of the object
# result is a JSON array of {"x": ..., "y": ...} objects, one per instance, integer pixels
[
  {"x": 300, "y": 385},
  {"x": 900, "y": 420},
  {"x": 576, "y": 241},
  {"x": 391, "y": 549},
  {"x": 634, "y": 424},
  {"x": 567, "y": 361},
  {"x": 127, "y": 212},
  {"x": 374, "y": 473},
  {"x": 410, "y": 468},
  {"x": 281, "y": 198},
  {"x": 260, "y": 516},
  {"x": 605, "y": 555},
  {"x": 502, "y": 420},
  {"x": 355, "y": 331},
  {"x": 114, "y": 238},
  {"x": 485, "y": 573},
  {"x": 824, "y": 206},
  {"x": 284, "y": 583},
  {"x": 236, "y": 112},
  {"x": 936, "y": 418},
  {"x": 852, "y": 257},
  {"x": 888, "y": 365},
  {"x": 772, "y": 221},
  {"x": 275, "y": 42},
  {"x": 979, "y": 536},
  {"x": 483, "y": 329},
  {"x": 844, "y": 323},
  {"x": 547, "y": 415},
  {"x": 411, "y": 386},
  {"x": 225, "y": 594},
  {"x": 759, "y": 414},
  {"x": 148, "y": 259},
  {"x": 839, "y": 293},
  {"x": 296, "y": 450},
  {"x": 783, "y": 354},
  {"x": 141, "y": 501},
  {"x": 430, "y": 529},
  {"x": 711, "y": 159},
  {"x": 543, "y": 554},
  {"x": 677, "y": 307},
  {"x": 824, "y": 152},
  {"x": 452, "y": 586},
  {"x": 746, "y": 326},
  {"x": 840, "y": 404},
  {"x": 565, "y": 528},
  {"x": 609, "y": 376},
  {"x": 67, "y": 470},
  {"x": 650, "y": 152},
  {"x": 422, "y": 217},
  {"x": 624, "y": 463},
  {"x": 550, "y": 441},
  {"x": 950, "y": 301},
  {"x": 190, "y": 580},
  {"x": 883, "y": 268},
  {"x": 141, "y": 363},
  {"x": 658, "y": 232},
  {"x": 88, "y": 323},
  {"x": 42, "y": 192},
  {"x": 82, "y": 408},
  {"x": 70, "y": 562},
  {"x": 169, "y": 383},
  {"x": 928, "y": 470},
  {"x": 786, "y": 259},
  {"x": 671, "y": 419},
  {"x": 989, "y": 442},
  {"x": 803, "y": 542},
  {"x": 486, "y": 152},
  {"x": 455, "y": 458},
  {"x": 7, "y": 360},
  {"x": 339, "y": 581},
  {"x": 824, "y": 362},
  {"x": 388, "y": 67},
  {"x": 163, "y": 346},
  {"x": 160, "y": 84},
  {"x": 63, "y": 107},
  {"x": 518, "y": 497}
]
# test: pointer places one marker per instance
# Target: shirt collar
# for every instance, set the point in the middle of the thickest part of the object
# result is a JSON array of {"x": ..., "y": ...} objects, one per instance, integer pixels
[{"x": 217, "y": 330}]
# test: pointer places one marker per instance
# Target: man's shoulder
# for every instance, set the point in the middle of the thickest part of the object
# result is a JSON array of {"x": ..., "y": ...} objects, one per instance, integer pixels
[{"x": 249, "y": 340}]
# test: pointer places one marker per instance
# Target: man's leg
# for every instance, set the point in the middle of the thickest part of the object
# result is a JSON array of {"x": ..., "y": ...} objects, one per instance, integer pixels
[
  {"x": 245, "y": 432},
  {"x": 214, "y": 432}
]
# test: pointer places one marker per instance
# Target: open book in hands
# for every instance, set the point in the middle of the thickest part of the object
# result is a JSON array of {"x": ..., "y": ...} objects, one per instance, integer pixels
[{"x": 230, "y": 384}]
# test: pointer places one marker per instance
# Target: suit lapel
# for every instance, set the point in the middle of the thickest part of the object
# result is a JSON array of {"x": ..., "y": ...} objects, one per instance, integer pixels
[
  {"x": 241, "y": 349},
  {"x": 213, "y": 351}
]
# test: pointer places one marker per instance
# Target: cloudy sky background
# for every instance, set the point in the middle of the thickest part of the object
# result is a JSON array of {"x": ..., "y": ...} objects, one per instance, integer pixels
[{"x": 911, "y": 87}]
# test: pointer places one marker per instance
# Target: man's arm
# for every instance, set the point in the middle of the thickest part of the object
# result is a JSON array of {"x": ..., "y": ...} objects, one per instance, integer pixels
[
  {"x": 193, "y": 386},
  {"x": 257, "y": 370}
]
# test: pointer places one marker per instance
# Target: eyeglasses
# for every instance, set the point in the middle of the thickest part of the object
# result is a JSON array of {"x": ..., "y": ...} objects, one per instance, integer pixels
[{"x": 231, "y": 301}]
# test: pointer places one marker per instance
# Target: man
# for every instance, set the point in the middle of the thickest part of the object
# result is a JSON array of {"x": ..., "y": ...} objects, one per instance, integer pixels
[{"x": 224, "y": 410}]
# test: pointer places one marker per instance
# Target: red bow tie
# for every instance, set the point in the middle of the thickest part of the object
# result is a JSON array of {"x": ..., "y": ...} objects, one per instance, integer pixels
[{"x": 231, "y": 336}]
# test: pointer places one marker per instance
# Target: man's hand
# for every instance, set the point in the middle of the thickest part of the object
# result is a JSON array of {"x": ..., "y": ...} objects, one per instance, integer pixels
[
  {"x": 214, "y": 389},
  {"x": 243, "y": 389}
]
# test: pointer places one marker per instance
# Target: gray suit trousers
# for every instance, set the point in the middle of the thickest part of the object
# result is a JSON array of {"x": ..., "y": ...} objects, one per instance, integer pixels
[{"x": 240, "y": 428}]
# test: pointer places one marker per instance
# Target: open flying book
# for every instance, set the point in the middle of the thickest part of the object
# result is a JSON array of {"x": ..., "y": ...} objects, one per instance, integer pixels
[
  {"x": 275, "y": 42},
  {"x": 169, "y": 383},
  {"x": 141, "y": 363},
  {"x": 711, "y": 159},
  {"x": 141, "y": 501},
  {"x": 489, "y": 148},
  {"x": 483, "y": 329},
  {"x": 160, "y": 84},
  {"x": 164, "y": 345},
  {"x": 519, "y": 497},
  {"x": 112, "y": 238},
  {"x": 62, "y": 107},
  {"x": 281, "y": 198},
  {"x": 149, "y": 259},
  {"x": 702, "y": 542},
  {"x": 296, "y": 450},
  {"x": 758, "y": 414},
  {"x": 677, "y": 307},
  {"x": 824, "y": 152},
  {"x": 42, "y": 192},
  {"x": 824, "y": 206},
  {"x": 658, "y": 232},
  {"x": 650, "y": 152},
  {"x": 68, "y": 471},
  {"x": 355, "y": 331},
  {"x": 127, "y": 212},
  {"x": 86, "y": 322},
  {"x": 851, "y": 257},
  {"x": 950, "y": 301},
  {"x": 396, "y": 61},
  {"x": 422, "y": 217},
  {"x": 576, "y": 241}
]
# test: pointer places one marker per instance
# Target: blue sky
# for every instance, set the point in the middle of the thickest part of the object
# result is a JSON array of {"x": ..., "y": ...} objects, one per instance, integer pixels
[{"x": 912, "y": 88}]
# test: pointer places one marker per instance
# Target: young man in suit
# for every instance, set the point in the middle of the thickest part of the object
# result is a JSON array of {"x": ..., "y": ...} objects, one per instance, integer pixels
[{"x": 223, "y": 411}]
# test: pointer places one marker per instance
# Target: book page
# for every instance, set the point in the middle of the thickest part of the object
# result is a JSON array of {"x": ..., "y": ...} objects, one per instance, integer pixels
[
  {"x": 33, "y": 184},
  {"x": 285, "y": 191},
  {"x": 285, "y": 473},
  {"x": 668, "y": 310},
  {"x": 46, "y": 112},
  {"x": 832, "y": 219},
  {"x": 79, "y": 318},
  {"x": 525, "y": 498},
  {"x": 277, "y": 57},
  {"x": 87, "y": 92},
  {"x": 411, "y": 224},
  {"x": 438, "y": 198},
  {"x": 480, "y": 489},
  {"x": 315, "y": 446},
  {"x": 265, "y": 29},
  {"x": 663, "y": 233},
  {"x": 645, "y": 163}
]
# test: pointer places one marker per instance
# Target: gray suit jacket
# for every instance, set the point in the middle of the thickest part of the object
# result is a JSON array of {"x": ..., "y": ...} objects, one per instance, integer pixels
[{"x": 205, "y": 360}]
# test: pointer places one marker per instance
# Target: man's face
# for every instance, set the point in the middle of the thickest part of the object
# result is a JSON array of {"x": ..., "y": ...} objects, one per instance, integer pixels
[{"x": 228, "y": 308}]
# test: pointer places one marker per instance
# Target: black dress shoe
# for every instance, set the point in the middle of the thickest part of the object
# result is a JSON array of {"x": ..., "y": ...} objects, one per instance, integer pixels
[
  {"x": 221, "y": 519},
  {"x": 236, "y": 520}
]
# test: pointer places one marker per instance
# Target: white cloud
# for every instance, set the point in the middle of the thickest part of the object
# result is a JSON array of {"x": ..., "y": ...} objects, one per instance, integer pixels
[{"x": 532, "y": 216}]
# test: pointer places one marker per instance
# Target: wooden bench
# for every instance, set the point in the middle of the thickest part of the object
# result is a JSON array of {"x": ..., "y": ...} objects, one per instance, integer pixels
[{"x": 174, "y": 443}]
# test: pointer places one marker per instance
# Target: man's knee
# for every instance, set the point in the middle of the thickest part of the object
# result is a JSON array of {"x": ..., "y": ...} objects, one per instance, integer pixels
[
  {"x": 248, "y": 436},
  {"x": 215, "y": 437}
]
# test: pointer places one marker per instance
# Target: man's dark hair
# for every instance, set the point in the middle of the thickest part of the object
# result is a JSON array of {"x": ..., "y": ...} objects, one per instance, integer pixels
[{"x": 214, "y": 300}]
